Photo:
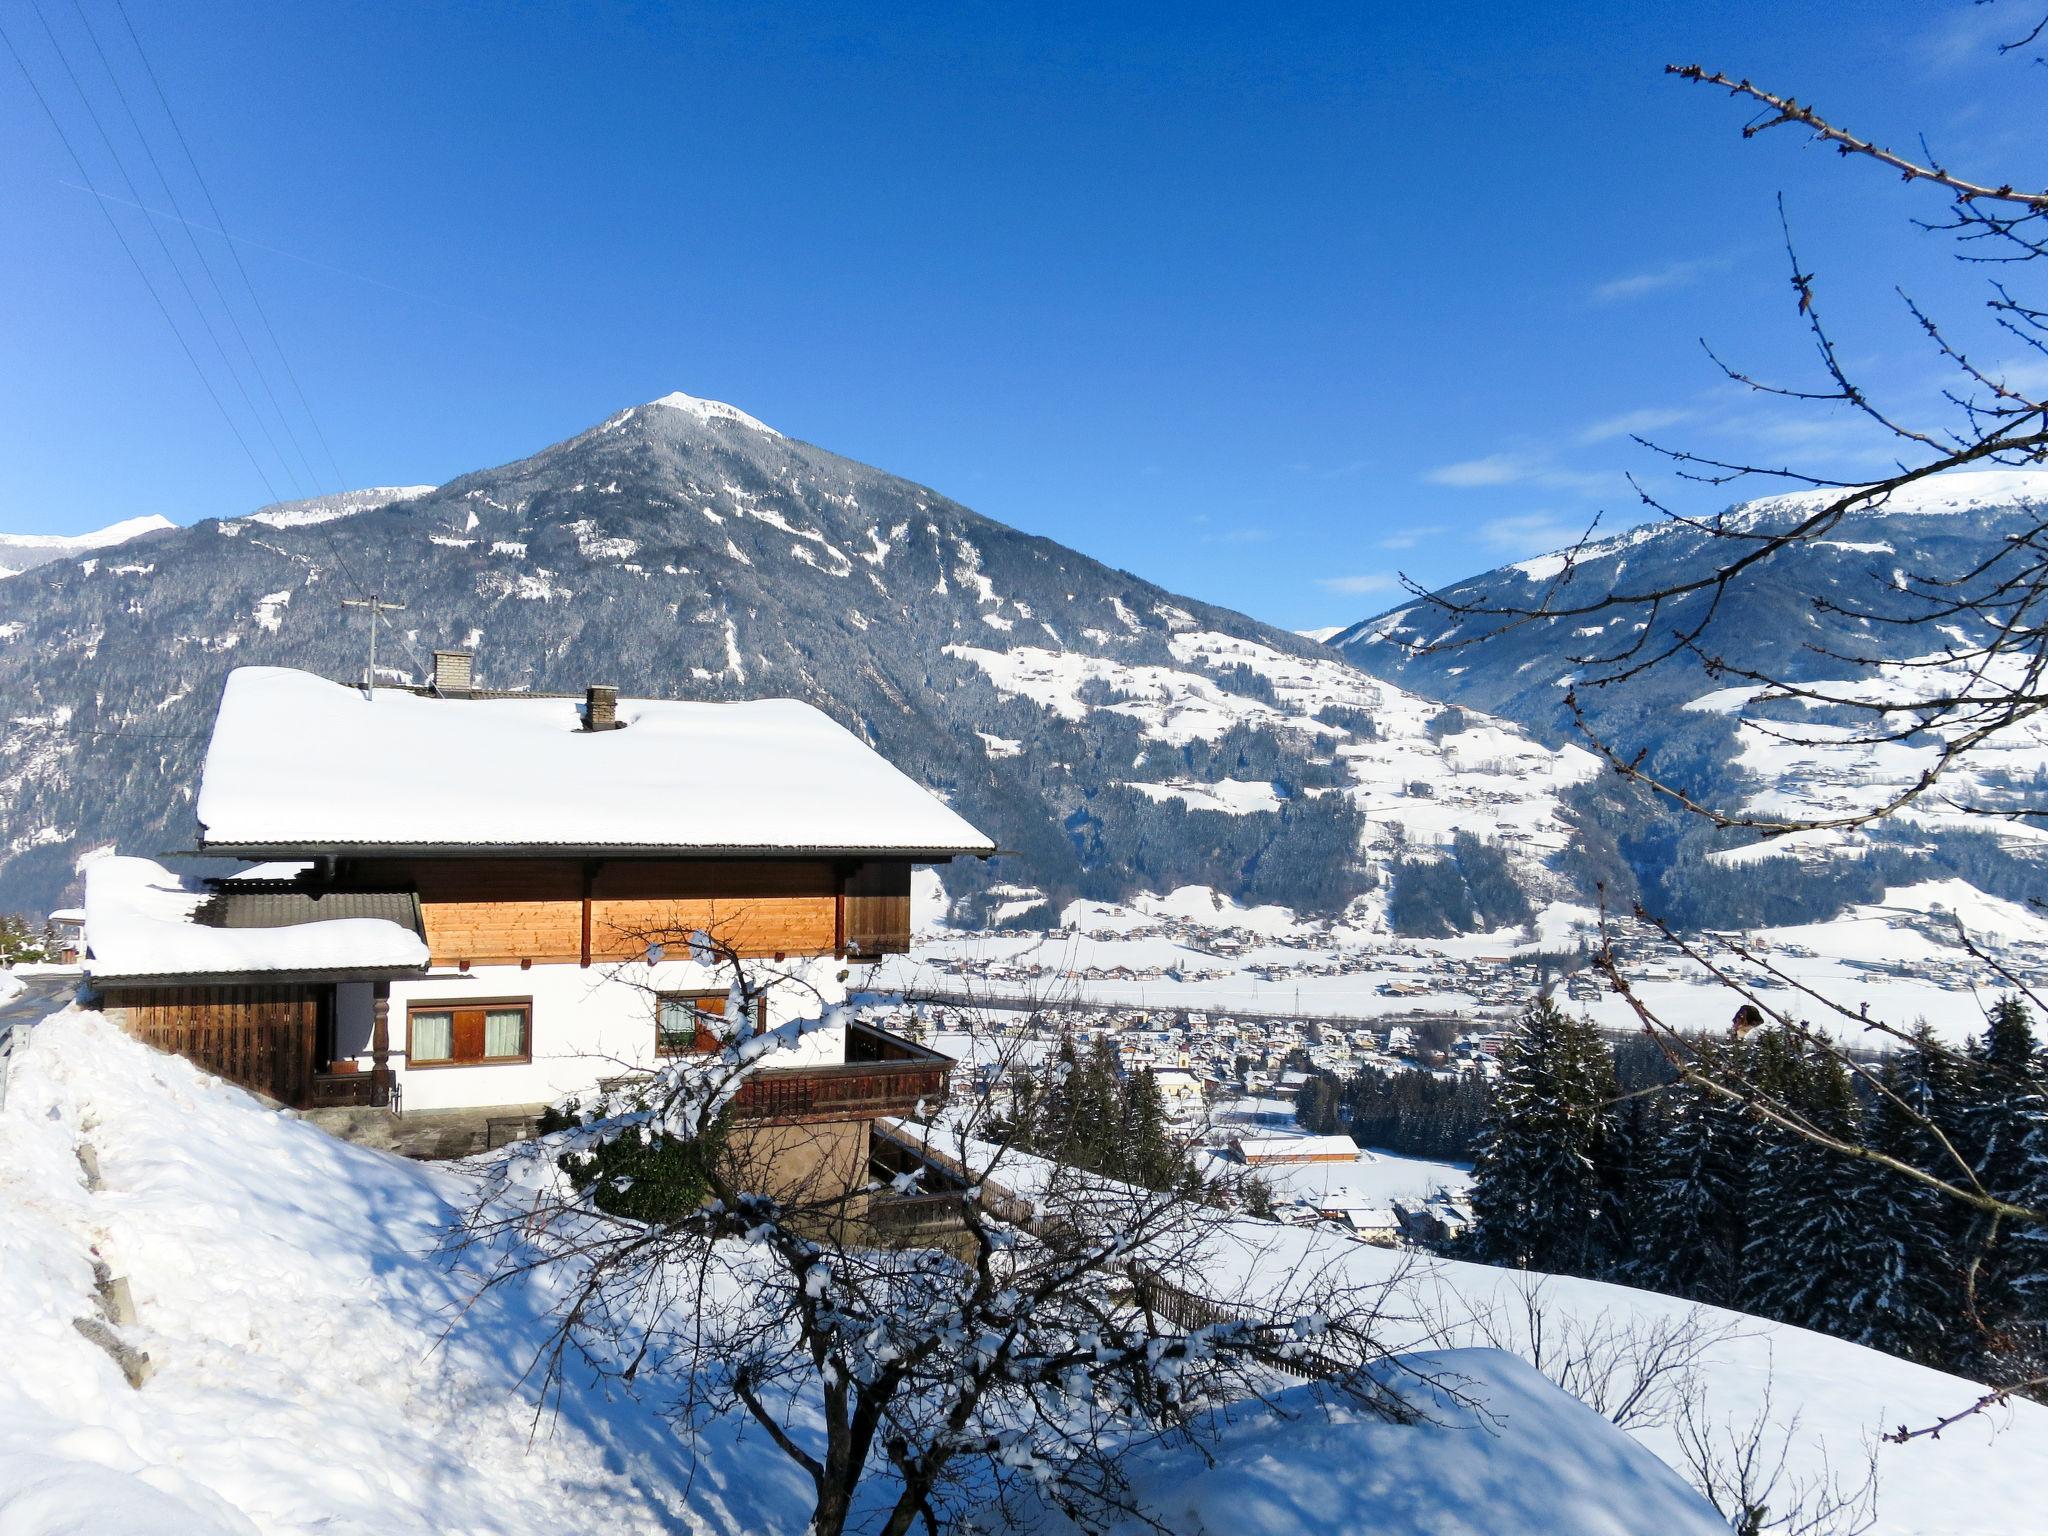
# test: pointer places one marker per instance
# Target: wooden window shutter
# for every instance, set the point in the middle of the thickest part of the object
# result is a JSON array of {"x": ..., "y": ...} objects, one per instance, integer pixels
[{"x": 469, "y": 1034}]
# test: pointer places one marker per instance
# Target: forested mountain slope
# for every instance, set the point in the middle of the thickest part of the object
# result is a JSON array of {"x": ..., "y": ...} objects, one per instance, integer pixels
[{"x": 1847, "y": 608}]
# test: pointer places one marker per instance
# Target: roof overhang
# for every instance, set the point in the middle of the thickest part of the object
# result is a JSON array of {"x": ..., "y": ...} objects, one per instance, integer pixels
[
  {"x": 331, "y": 850},
  {"x": 254, "y": 978}
]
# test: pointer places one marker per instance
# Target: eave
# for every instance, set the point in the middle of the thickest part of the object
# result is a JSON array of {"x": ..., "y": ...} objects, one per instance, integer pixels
[
  {"x": 276, "y": 978},
  {"x": 314, "y": 850}
]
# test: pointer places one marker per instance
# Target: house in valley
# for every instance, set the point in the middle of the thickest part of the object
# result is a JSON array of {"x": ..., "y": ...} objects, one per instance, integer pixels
[{"x": 460, "y": 900}]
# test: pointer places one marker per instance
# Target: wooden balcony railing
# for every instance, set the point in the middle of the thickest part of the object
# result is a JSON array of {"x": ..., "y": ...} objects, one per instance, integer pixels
[
  {"x": 853, "y": 1091},
  {"x": 883, "y": 1074},
  {"x": 351, "y": 1090}
]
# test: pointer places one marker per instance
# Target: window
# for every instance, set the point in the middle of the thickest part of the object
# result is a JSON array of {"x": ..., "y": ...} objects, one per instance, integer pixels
[
  {"x": 469, "y": 1034},
  {"x": 686, "y": 1023}
]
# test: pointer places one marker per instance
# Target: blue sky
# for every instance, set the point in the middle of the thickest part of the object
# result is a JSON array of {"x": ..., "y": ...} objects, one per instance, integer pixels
[{"x": 1263, "y": 307}]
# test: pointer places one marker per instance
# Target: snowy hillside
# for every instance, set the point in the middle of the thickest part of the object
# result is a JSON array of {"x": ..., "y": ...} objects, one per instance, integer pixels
[
  {"x": 312, "y": 1368},
  {"x": 1414, "y": 787},
  {"x": 327, "y": 509},
  {"x": 22, "y": 551}
]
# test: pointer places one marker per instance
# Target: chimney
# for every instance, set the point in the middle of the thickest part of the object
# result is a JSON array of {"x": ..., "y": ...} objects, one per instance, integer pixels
[
  {"x": 600, "y": 708},
  {"x": 452, "y": 674}
]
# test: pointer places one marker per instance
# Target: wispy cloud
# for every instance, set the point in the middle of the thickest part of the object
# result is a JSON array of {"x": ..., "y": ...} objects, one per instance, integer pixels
[
  {"x": 1631, "y": 424},
  {"x": 1674, "y": 274},
  {"x": 1248, "y": 535},
  {"x": 1360, "y": 586},
  {"x": 1969, "y": 37},
  {"x": 1496, "y": 469},
  {"x": 1537, "y": 531},
  {"x": 1410, "y": 537}
]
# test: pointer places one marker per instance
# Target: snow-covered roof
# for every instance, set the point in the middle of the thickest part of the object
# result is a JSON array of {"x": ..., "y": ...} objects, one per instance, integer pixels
[
  {"x": 141, "y": 923},
  {"x": 299, "y": 764},
  {"x": 1294, "y": 1149}
]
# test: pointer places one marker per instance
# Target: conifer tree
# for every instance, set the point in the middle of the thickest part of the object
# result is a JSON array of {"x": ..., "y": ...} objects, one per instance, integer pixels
[
  {"x": 1910, "y": 1307},
  {"x": 2002, "y": 1130},
  {"x": 1815, "y": 1256},
  {"x": 1691, "y": 1227},
  {"x": 1540, "y": 1186}
]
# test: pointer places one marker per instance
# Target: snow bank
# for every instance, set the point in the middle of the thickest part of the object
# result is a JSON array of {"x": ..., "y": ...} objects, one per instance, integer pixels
[
  {"x": 1826, "y": 1399},
  {"x": 315, "y": 1367},
  {"x": 139, "y": 922},
  {"x": 1531, "y": 1460},
  {"x": 318, "y": 1367},
  {"x": 297, "y": 762}
]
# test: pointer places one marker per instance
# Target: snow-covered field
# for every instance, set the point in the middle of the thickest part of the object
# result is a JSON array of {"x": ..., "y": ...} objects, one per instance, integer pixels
[
  {"x": 1375, "y": 1179},
  {"x": 1194, "y": 949},
  {"x": 315, "y": 1368}
]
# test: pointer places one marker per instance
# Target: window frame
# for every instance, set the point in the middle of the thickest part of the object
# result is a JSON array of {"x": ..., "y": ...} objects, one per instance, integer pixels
[
  {"x": 451, "y": 1006},
  {"x": 697, "y": 999}
]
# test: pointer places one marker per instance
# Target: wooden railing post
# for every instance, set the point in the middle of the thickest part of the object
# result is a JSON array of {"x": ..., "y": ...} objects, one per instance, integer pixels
[{"x": 380, "y": 1037}]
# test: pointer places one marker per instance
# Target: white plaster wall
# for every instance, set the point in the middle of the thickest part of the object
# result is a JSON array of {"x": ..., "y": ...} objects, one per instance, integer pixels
[{"x": 587, "y": 1024}]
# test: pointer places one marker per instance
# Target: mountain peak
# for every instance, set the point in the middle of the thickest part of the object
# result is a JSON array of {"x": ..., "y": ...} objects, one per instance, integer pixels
[{"x": 709, "y": 411}]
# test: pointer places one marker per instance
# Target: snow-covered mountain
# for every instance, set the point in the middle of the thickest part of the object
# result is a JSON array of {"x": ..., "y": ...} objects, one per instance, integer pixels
[
  {"x": 1117, "y": 737},
  {"x": 1728, "y": 745},
  {"x": 23, "y": 551},
  {"x": 326, "y": 509}
]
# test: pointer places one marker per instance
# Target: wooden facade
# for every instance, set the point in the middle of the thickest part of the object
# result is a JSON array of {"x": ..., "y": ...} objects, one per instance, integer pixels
[
  {"x": 877, "y": 910},
  {"x": 587, "y": 912},
  {"x": 268, "y": 1038}
]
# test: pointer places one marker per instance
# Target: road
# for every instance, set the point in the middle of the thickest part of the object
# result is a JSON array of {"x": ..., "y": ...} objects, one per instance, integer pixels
[{"x": 40, "y": 997}]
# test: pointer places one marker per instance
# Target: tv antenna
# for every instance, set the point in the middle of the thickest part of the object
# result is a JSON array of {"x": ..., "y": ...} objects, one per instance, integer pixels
[{"x": 376, "y": 608}]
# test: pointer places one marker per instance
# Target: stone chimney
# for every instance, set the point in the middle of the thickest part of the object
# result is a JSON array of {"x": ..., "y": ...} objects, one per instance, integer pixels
[
  {"x": 453, "y": 676},
  {"x": 600, "y": 708}
]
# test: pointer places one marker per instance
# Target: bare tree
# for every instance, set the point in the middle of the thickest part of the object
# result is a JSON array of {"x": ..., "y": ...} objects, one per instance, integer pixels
[
  {"x": 1744, "y": 1468},
  {"x": 1059, "y": 1320},
  {"x": 1636, "y": 1372}
]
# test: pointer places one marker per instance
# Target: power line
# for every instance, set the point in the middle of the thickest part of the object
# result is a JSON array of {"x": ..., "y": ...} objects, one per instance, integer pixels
[
  {"x": 340, "y": 481},
  {"x": 121, "y": 166},
  {"x": 377, "y": 613},
  {"x": 192, "y": 240},
  {"x": 136, "y": 261},
  {"x": 370, "y": 600}
]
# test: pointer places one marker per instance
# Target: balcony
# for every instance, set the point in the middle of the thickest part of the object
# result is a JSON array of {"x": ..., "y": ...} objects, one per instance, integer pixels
[
  {"x": 883, "y": 1074},
  {"x": 351, "y": 1090}
]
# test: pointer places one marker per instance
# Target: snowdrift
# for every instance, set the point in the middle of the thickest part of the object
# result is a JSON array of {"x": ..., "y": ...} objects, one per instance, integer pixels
[{"x": 316, "y": 1366}]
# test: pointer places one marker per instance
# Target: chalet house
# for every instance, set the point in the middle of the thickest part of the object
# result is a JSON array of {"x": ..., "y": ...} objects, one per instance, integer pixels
[{"x": 464, "y": 900}]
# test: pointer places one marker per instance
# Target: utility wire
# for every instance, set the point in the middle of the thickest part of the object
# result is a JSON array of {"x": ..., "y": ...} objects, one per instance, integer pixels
[
  {"x": 205, "y": 322},
  {"x": 149, "y": 69},
  {"x": 205, "y": 265},
  {"x": 327, "y": 535},
  {"x": 136, "y": 261},
  {"x": 377, "y": 615}
]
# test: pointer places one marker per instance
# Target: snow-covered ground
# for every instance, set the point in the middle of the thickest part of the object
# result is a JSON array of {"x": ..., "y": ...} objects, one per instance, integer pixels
[
  {"x": 1533, "y": 1462},
  {"x": 315, "y": 1368},
  {"x": 1195, "y": 949},
  {"x": 1375, "y": 1179}
]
